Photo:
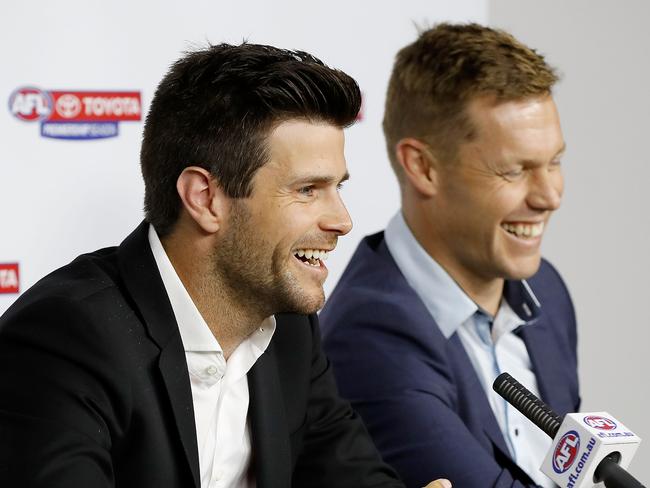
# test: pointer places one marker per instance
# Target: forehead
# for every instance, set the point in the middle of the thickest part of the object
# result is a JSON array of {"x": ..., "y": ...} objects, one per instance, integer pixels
[
  {"x": 299, "y": 147},
  {"x": 529, "y": 126}
]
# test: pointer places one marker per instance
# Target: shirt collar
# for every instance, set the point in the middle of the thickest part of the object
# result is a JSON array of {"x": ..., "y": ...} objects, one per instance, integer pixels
[
  {"x": 505, "y": 321},
  {"x": 445, "y": 300},
  {"x": 522, "y": 299},
  {"x": 195, "y": 333}
]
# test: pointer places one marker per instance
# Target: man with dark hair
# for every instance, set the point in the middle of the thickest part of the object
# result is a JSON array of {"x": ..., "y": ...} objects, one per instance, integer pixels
[
  {"x": 178, "y": 359},
  {"x": 455, "y": 291}
]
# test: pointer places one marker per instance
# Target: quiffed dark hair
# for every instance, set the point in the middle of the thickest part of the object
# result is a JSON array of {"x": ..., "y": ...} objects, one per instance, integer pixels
[{"x": 215, "y": 109}]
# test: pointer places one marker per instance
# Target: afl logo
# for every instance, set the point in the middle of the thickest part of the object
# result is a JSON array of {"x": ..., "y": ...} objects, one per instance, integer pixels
[
  {"x": 30, "y": 104},
  {"x": 600, "y": 423},
  {"x": 566, "y": 451}
]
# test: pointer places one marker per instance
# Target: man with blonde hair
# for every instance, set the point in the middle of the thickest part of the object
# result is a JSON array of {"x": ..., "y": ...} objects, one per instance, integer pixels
[{"x": 455, "y": 291}]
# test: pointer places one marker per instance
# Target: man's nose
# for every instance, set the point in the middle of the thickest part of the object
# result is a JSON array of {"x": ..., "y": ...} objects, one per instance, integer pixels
[
  {"x": 336, "y": 218},
  {"x": 546, "y": 189}
]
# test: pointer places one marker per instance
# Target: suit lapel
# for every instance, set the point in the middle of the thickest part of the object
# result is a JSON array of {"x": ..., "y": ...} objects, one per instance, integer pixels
[
  {"x": 476, "y": 400},
  {"x": 479, "y": 418},
  {"x": 543, "y": 356},
  {"x": 175, "y": 377},
  {"x": 269, "y": 431},
  {"x": 142, "y": 279}
]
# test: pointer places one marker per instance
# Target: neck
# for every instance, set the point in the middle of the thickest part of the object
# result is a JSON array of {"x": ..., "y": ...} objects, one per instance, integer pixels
[
  {"x": 487, "y": 296},
  {"x": 229, "y": 320},
  {"x": 486, "y": 292}
]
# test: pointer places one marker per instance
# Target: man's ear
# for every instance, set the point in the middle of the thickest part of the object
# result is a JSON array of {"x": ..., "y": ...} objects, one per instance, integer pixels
[
  {"x": 419, "y": 164},
  {"x": 203, "y": 199}
]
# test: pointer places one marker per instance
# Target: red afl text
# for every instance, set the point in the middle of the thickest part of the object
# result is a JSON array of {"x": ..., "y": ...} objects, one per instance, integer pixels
[{"x": 9, "y": 278}]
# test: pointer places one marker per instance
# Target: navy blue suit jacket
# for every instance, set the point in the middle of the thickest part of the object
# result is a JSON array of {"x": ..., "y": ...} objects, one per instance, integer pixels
[{"x": 417, "y": 391}]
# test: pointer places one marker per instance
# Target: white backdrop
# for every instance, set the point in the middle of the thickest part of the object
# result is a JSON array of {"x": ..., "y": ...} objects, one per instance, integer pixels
[{"x": 61, "y": 198}]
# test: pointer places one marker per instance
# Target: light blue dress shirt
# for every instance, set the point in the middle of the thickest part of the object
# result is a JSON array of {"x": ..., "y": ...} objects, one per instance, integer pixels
[{"x": 490, "y": 342}]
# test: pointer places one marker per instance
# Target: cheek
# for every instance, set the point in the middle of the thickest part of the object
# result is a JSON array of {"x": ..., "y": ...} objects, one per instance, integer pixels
[
  {"x": 493, "y": 209},
  {"x": 510, "y": 202},
  {"x": 289, "y": 227},
  {"x": 268, "y": 220}
]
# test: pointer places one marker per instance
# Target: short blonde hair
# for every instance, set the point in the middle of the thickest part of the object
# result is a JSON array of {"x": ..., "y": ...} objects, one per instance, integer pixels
[{"x": 434, "y": 78}]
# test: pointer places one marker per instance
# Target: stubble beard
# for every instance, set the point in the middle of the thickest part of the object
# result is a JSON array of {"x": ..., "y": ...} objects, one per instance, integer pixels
[{"x": 253, "y": 279}]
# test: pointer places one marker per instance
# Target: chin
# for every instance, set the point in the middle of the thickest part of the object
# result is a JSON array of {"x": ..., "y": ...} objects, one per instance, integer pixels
[
  {"x": 303, "y": 303},
  {"x": 522, "y": 269},
  {"x": 302, "y": 309},
  {"x": 312, "y": 304}
]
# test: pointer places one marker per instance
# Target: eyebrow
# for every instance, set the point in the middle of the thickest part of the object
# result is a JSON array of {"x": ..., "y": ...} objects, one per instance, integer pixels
[
  {"x": 561, "y": 151},
  {"x": 320, "y": 179}
]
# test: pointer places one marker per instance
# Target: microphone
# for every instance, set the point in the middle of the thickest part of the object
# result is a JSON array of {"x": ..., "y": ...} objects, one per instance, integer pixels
[{"x": 587, "y": 448}]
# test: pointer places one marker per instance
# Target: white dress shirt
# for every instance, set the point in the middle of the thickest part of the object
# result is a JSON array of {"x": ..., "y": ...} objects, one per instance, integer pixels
[
  {"x": 491, "y": 343},
  {"x": 219, "y": 387}
]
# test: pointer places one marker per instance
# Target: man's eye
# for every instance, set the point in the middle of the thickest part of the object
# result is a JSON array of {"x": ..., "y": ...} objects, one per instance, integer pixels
[
  {"x": 513, "y": 174},
  {"x": 306, "y": 190}
]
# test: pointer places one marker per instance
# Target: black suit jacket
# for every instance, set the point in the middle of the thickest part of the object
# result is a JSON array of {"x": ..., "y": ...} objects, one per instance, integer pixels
[{"x": 95, "y": 392}]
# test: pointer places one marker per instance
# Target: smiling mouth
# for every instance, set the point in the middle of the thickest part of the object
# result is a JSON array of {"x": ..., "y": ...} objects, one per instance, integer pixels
[
  {"x": 312, "y": 257},
  {"x": 524, "y": 230}
]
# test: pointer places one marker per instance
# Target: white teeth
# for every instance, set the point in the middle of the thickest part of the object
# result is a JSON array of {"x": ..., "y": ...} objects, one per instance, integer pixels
[
  {"x": 525, "y": 230},
  {"x": 313, "y": 255}
]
